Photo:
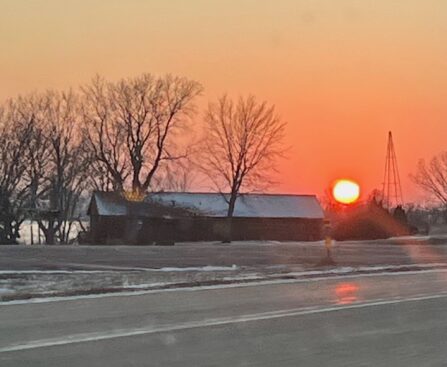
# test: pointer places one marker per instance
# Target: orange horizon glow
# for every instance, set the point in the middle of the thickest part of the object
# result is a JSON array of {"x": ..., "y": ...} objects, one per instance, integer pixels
[
  {"x": 346, "y": 191},
  {"x": 340, "y": 73}
]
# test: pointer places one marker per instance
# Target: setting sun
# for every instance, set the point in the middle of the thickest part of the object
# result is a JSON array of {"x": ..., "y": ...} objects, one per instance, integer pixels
[{"x": 346, "y": 191}]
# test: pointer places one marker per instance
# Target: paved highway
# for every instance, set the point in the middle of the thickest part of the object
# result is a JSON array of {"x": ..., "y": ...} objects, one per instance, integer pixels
[{"x": 371, "y": 320}]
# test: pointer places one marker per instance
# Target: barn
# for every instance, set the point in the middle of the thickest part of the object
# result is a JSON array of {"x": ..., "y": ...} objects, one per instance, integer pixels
[{"x": 168, "y": 217}]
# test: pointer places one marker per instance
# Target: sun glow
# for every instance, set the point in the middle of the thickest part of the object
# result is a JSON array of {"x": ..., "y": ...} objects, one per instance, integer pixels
[{"x": 346, "y": 191}]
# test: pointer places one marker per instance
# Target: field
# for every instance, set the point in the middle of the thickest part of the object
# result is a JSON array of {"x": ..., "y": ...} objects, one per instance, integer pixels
[{"x": 48, "y": 271}]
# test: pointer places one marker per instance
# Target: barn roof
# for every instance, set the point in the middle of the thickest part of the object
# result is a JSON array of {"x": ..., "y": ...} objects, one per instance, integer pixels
[
  {"x": 209, "y": 204},
  {"x": 247, "y": 205},
  {"x": 114, "y": 204}
]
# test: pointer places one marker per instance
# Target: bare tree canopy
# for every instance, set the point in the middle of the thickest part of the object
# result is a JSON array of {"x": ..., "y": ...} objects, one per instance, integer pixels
[
  {"x": 44, "y": 163},
  {"x": 130, "y": 125},
  {"x": 432, "y": 177},
  {"x": 179, "y": 175},
  {"x": 57, "y": 146},
  {"x": 64, "y": 178},
  {"x": 16, "y": 133},
  {"x": 242, "y": 142}
]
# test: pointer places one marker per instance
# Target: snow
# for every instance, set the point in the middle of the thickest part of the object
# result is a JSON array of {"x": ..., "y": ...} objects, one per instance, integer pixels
[
  {"x": 12, "y": 272},
  {"x": 247, "y": 205},
  {"x": 41, "y": 292},
  {"x": 216, "y": 205},
  {"x": 200, "y": 268},
  {"x": 165, "y": 269},
  {"x": 148, "y": 285},
  {"x": 110, "y": 204},
  {"x": 6, "y": 291},
  {"x": 25, "y": 232}
]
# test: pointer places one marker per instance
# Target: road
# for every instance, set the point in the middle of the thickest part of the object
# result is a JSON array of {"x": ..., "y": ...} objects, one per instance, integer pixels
[
  {"x": 385, "y": 252},
  {"x": 397, "y": 319}
]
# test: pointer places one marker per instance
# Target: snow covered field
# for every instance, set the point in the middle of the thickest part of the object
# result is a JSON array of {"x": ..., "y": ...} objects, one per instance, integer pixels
[
  {"x": 61, "y": 271},
  {"x": 30, "y": 233}
]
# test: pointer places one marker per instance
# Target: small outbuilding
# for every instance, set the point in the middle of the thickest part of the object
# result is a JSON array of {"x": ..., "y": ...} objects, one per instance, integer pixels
[{"x": 169, "y": 217}]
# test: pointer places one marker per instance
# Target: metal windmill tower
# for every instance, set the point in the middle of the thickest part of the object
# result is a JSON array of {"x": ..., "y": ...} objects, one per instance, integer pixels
[{"x": 391, "y": 189}]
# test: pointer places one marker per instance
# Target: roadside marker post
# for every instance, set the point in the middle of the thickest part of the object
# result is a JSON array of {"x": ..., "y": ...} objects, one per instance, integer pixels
[{"x": 328, "y": 244}]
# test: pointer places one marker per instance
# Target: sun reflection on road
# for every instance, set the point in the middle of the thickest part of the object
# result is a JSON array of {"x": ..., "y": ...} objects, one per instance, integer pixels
[{"x": 346, "y": 293}]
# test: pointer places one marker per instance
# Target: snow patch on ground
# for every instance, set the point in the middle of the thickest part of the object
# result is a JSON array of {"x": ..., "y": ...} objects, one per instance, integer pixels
[
  {"x": 148, "y": 285},
  {"x": 30, "y": 232},
  {"x": 11, "y": 272},
  {"x": 6, "y": 291},
  {"x": 16, "y": 285},
  {"x": 349, "y": 269},
  {"x": 262, "y": 281},
  {"x": 207, "y": 268},
  {"x": 199, "y": 268}
]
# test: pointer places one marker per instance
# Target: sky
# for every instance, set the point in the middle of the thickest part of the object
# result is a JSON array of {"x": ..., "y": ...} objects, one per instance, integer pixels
[{"x": 341, "y": 73}]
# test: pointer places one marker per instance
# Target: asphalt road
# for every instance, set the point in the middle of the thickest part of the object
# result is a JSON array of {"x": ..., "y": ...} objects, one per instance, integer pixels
[
  {"x": 402, "y": 251},
  {"x": 375, "y": 320}
]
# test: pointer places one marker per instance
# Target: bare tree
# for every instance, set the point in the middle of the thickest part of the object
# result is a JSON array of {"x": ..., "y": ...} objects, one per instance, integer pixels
[
  {"x": 16, "y": 133},
  {"x": 179, "y": 176},
  {"x": 36, "y": 156},
  {"x": 58, "y": 164},
  {"x": 130, "y": 126},
  {"x": 432, "y": 177},
  {"x": 241, "y": 143},
  {"x": 66, "y": 175}
]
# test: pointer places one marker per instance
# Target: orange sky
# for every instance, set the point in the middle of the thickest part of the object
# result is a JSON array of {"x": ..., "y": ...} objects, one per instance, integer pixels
[{"x": 342, "y": 73}]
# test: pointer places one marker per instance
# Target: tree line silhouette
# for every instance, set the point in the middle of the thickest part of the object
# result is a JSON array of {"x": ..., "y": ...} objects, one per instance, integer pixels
[{"x": 129, "y": 136}]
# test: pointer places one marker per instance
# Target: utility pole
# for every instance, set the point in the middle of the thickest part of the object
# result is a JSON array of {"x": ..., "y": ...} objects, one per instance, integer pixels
[{"x": 391, "y": 189}]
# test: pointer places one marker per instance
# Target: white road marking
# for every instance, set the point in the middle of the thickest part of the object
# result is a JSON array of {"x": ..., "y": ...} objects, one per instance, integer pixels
[{"x": 114, "y": 334}]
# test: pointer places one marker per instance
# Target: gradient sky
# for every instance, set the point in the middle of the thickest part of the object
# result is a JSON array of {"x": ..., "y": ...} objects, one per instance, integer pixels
[{"x": 342, "y": 73}]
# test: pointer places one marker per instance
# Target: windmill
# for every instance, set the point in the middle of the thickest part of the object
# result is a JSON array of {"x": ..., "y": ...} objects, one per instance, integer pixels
[{"x": 391, "y": 189}]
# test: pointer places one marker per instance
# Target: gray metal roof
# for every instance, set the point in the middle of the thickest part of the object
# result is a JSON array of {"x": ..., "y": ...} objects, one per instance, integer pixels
[
  {"x": 108, "y": 203},
  {"x": 210, "y": 204},
  {"x": 114, "y": 204},
  {"x": 247, "y": 205}
]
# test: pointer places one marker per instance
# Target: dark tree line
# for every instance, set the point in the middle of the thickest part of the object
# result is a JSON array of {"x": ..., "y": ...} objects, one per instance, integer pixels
[
  {"x": 127, "y": 136},
  {"x": 44, "y": 161}
]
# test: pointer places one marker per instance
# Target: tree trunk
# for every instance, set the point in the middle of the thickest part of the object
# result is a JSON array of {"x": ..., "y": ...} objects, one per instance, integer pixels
[
  {"x": 49, "y": 233},
  {"x": 9, "y": 235},
  {"x": 49, "y": 236},
  {"x": 232, "y": 204},
  {"x": 229, "y": 224}
]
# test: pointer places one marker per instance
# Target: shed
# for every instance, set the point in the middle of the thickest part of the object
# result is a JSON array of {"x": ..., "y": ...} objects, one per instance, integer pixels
[{"x": 181, "y": 216}]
